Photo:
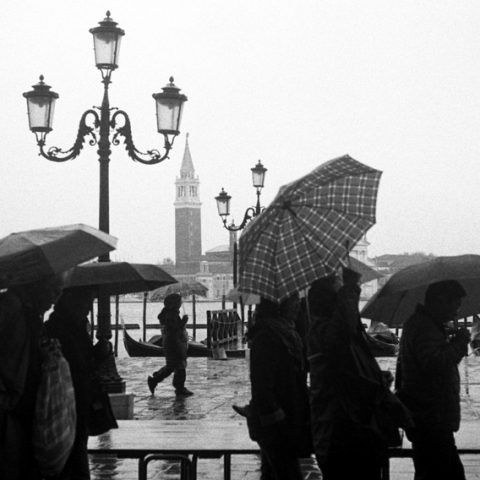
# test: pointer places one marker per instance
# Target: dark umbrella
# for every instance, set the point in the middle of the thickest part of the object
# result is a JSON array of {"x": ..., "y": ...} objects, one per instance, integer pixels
[
  {"x": 397, "y": 299},
  {"x": 308, "y": 228},
  {"x": 367, "y": 273},
  {"x": 30, "y": 255},
  {"x": 117, "y": 278}
]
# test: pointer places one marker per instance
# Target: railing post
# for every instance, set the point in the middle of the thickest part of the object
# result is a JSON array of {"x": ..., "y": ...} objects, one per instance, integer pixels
[{"x": 209, "y": 339}]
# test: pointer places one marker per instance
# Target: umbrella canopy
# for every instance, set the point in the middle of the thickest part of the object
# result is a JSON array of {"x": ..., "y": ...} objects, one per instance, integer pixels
[
  {"x": 367, "y": 273},
  {"x": 396, "y": 300},
  {"x": 184, "y": 289},
  {"x": 308, "y": 228},
  {"x": 118, "y": 278},
  {"x": 28, "y": 256},
  {"x": 234, "y": 295}
]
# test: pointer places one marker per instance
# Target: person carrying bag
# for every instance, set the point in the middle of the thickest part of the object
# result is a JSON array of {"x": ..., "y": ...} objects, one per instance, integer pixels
[{"x": 55, "y": 413}]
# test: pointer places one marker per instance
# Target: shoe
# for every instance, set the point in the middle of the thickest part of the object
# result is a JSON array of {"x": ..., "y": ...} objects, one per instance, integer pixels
[
  {"x": 151, "y": 384},
  {"x": 183, "y": 392},
  {"x": 243, "y": 411}
]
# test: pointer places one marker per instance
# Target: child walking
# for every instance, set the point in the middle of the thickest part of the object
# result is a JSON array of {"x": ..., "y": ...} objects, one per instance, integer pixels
[{"x": 175, "y": 345}]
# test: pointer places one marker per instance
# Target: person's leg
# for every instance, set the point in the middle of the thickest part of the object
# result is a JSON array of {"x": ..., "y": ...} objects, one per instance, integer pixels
[
  {"x": 178, "y": 382},
  {"x": 435, "y": 456},
  {"x": 158, "y": 376},
  {"x": 162, "y": 374},
  {"x": 282, "y": 464}
]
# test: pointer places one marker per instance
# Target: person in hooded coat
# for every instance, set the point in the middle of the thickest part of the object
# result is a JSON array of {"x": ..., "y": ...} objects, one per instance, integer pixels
[{"x": 175, "y": 345}]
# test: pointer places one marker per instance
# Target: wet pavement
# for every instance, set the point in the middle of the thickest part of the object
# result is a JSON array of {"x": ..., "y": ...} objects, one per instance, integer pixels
[{"x": 217, "y": 385}]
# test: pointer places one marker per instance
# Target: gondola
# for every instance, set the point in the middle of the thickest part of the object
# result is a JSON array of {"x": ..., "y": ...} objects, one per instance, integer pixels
[{"x": 153, "y": 348}]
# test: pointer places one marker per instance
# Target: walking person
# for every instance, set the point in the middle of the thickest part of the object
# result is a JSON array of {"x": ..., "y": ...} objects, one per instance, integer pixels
[
  {"x": 21, "y": 317},
  {"x": 175, "y": 345},
  {"x": 278, "y": 414},
  {"x": 342, "y": 400},
  {"x": 69, "y": 324},
  {"x": 428, "y": 381}
]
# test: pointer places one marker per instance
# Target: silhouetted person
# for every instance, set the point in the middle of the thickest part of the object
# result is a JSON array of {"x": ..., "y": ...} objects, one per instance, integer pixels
[
  {"x": 69, "y": 323},
  {"x": 342, "y": 401},
  {"x": 428, "y": 382},
  {"x": 21, "y": 319},
  {"x": 175, "y": 346},
  {"x": 278, "y": 412}
]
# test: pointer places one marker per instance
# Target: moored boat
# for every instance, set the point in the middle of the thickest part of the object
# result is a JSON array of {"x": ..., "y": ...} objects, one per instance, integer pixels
[{"x": 153, "y": 348}]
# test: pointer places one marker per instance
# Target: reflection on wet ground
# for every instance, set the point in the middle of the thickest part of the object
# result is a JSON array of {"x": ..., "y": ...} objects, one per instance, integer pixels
[{"x": 219, "y": 384}]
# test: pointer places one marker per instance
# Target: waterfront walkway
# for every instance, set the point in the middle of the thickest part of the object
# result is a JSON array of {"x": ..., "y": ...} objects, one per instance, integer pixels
[{"x": 217, "y": 385}]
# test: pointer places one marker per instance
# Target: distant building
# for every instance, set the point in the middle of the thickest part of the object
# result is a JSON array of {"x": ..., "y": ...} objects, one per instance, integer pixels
[
  {"x": 214, "y": 269},
  {"x": 188, "y": 224}
]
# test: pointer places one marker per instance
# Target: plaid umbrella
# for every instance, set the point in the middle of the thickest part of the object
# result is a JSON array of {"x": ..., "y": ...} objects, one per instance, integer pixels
[{"x": 308, "y": 228}]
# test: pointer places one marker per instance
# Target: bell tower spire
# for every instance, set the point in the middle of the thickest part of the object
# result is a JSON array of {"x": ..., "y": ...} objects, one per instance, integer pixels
[{"x": 188, "y": 232}]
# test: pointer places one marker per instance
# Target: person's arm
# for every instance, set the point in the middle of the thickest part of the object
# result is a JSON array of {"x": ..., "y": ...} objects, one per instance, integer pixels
[{"x": 434, "y": 353}]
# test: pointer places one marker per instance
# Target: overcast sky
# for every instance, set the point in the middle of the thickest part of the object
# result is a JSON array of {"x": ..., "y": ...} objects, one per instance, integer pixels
[{"x": 395, "y": 84}]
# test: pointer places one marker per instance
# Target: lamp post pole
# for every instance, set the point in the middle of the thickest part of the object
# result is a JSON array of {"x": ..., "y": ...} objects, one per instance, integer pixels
[
  {"x": 104, "y": 130},
  {"x": 223, "y": 206}
]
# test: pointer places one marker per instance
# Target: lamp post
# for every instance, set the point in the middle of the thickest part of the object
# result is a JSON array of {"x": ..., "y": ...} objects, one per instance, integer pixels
[
  {"x": 223, "y": 206},
  {"x": 104, "y": 129}
]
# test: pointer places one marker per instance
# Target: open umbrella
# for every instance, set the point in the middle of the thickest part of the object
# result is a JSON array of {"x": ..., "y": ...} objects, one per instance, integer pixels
[
  {"x": 118, "y": 278},
  {"x": 28, "y": 256},
  {"x": 308, "y": 228},
  {"x": 367, "y": 273},
  {"x": 185, "y": 289},
  {"x": 397, "y": 299},
  {"x": 234, "y": 295}
]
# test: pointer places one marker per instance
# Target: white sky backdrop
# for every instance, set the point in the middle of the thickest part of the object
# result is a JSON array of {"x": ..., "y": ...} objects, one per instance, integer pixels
[{"x": 395, "y": 84}]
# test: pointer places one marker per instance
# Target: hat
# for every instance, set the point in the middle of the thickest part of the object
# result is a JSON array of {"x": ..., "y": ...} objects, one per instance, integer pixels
[{"x": 172, "y": 300}]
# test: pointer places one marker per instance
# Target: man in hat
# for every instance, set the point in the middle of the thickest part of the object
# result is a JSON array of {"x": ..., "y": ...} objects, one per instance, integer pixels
[{"x": 428, "y": 382}]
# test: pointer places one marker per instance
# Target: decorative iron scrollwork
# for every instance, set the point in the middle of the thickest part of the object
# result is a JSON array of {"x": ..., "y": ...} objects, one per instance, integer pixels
[
  {"x": 56, "y": 154},
  {"x": 150, "y": 157}
]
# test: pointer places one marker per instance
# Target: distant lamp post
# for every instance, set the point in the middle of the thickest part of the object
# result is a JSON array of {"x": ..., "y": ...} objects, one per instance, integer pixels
[
  {"x": 223, "y": 206},
  {"x": 105, "y": 129}
]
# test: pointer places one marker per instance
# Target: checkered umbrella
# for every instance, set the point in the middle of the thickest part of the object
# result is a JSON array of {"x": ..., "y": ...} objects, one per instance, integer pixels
[{"x": 308, "y": 228}]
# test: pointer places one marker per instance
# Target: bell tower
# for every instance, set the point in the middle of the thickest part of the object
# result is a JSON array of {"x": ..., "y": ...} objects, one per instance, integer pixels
[{"x": 188, "y": 229}]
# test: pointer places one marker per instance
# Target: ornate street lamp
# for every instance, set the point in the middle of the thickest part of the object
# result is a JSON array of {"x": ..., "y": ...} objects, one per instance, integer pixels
[
  {"x": 223, "y": 206},
  {"x": 103, "y": 129}
]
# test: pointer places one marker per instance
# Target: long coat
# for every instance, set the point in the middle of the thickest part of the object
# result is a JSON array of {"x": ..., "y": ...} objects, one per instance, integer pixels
[
  {"x": 20, "y": 369},
  {"x": 175, "y": 338},
  {"x": 427, "y": 379},
  {"x": 346, "y": 384},
  {"x": 279, "y": 391},
  {"x": 78, "y": 350}
]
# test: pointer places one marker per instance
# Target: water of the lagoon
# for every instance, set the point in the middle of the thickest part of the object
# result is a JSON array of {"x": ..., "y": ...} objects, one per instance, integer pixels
[{"x": 132, "y": 313}]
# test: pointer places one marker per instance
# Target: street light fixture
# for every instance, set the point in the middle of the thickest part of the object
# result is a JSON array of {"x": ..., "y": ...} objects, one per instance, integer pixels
[
  {"x": 223, "y": 206},
  {"x": 105, "y": 130},
  {"x": 223, "y": 200}
]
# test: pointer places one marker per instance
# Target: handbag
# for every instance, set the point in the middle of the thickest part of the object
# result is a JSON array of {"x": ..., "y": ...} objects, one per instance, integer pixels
[
  {"x": 100, "y": 416},
  {"x": 55, "y": 414}
]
